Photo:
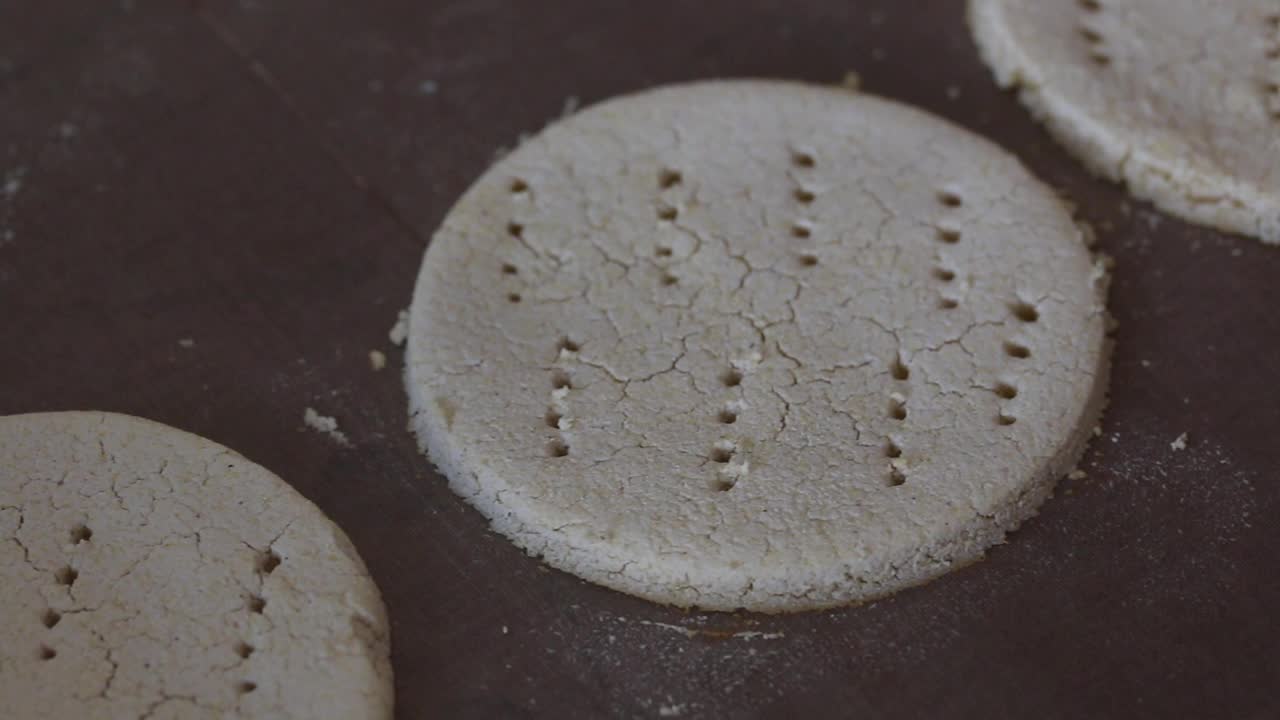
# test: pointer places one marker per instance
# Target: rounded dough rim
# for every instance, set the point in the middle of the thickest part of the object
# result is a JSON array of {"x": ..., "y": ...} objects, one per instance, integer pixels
[{"x": 600, "y": 562}]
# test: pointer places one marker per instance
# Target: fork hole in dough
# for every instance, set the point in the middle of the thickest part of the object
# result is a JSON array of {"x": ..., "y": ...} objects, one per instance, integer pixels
[
  {"x": 1017, "y": 350},
  {"x": 1026, "y": 312},
  {"x": 898, "y": 410},
  {"x": 268, "y": 562},
  {"x": 80, "y": 533}
]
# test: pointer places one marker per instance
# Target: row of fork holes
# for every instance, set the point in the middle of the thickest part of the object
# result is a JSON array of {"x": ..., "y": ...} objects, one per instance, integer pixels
[
  {"x": 722, "y": 452},
  {"x": 948, "y": 236},
  {"x": 266, "y": 563},
  {"x": 1096, "y": 52},
  {"x": 803, "y": 229},
  {"x": 560, "y": 380},
  {"x": 66, "y": 576}
]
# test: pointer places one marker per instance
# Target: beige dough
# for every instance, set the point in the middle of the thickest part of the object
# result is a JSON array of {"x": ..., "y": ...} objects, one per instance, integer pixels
[
  {"x": 756, "y": 344},
  {"x": 147, "y": 572},
  {"x": 1179, "y": 99}
]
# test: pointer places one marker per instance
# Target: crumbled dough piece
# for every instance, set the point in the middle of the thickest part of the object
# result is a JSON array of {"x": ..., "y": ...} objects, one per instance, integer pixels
[
  {"x": 1179, "y": 443},
  {"x": 377, "y": 360},
  {"x": 1177, "y": 99},
  {"x": 400, "y": 330},
  {"x": 816, "y": 346},
  {"x": 325, "y": 424},
  {"x": 147, "y": 572}
]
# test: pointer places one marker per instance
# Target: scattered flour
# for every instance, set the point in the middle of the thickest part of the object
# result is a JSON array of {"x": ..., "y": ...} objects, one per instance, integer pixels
[
  {"x": 428, "y": 87},
  {"x": 326, "y": 425},
  {"x": 672, "y": 710},
  {"x": 9, "y": 190},
  {"x": 1179, "y": 443},
  {"x": 719, "y": 634}
]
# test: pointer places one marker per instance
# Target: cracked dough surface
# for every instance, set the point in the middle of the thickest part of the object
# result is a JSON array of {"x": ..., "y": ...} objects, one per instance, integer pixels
[
  {"x": 133, "y": 558},
  {"x": 1179, "y": 99},
  {"x": 756, "y": 344}
]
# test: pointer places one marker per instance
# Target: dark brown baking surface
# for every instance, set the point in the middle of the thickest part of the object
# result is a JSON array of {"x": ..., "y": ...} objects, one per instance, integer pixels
[{"x": 261, "y": 177}]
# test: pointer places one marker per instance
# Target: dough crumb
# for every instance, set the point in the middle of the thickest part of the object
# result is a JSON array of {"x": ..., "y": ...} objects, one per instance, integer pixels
[
  {"x": 505, "y": 630},
  {"x": 1179, "y": 443},
  {"x": 400, "y": 331},
  {"x": 186, "y": 343},
  {"x": 377, "y": 360},
  {"x": 671, "y": 710},
  {"x": 852, "y": 81},
  {"x": 1077, "y": 474},
  {"x": 325, "y": 424}
]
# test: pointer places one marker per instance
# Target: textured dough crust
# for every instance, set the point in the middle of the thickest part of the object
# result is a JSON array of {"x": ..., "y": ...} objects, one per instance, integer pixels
[
  {"x": 148, "y": 572},
  {"x": 1178, "y": 99},
  {"x": 756, "y": 344}
]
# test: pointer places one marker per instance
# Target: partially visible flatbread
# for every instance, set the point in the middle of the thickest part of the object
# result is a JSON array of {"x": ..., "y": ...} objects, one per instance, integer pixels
[
  {"x": 147, "y": 572},
  {"x": 1179, "y": 99}
]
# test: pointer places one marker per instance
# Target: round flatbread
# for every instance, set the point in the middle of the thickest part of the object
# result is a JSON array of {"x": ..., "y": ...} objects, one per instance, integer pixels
[
  {"x": 1179, "y": 99},
  {"x": 756, "y": 344},
  {"x": 147, "y": 572}
]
